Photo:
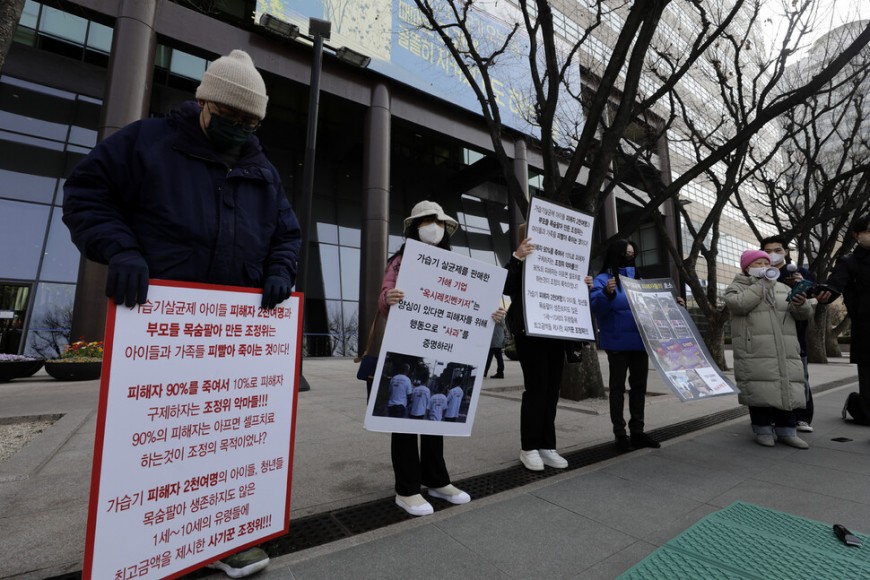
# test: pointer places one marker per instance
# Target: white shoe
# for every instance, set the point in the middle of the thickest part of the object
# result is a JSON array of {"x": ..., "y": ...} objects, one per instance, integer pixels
[
  {"x": 553, "y": 459},
  {"x": 804, "y": 427},
  {"x": 451, "y": 493},
  {"x": 532, "y": 460},
  {"x": 415, "y": 504},
  {"x": 242, "y": 564},
  {"x": 764, "y": 439},
  {"x": 795, "y": 441}
]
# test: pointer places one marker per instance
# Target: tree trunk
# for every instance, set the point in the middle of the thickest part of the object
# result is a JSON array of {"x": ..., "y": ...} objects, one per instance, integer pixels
[
  {"x": 714, "y": 338},
  {"x": 832, "y": 346},
  {"x": 817, "y": 350},
  {"x": 10, "y": 14},
  {"x": 583, "y": 380}
]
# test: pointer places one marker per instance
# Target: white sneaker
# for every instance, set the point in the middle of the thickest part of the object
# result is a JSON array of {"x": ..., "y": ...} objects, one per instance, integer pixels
[
  {"x": 451, "y": 493},
  {"x": 415, "y": 504},
  {"x": 804, "y": 427},
  {"x": 553, "y": 459},
  {"x": 532, "y": 460},
  {"x": 243, "y": 564}
]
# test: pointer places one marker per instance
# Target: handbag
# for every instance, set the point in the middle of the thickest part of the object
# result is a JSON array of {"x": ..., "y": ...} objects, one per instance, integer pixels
[
  {"x": 367, "y": 367},
  {"x": 368, "y": 363}
]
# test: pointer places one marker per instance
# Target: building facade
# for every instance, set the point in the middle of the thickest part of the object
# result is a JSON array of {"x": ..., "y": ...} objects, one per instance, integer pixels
[{"x": 80, "y": 69}]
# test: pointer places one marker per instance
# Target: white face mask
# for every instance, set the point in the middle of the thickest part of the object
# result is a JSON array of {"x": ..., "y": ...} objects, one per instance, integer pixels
[
  {"x": 776, "y": 259},
  {"x": 864, "y": 240},
  {"x": 431, "y": 234}
]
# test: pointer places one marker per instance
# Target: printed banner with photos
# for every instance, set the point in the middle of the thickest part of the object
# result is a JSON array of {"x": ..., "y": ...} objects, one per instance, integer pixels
[
  {"x": 194, "y": 446},
  {"x": 673, "y": 341},
  {"x": 430, "y": 368},
  {"x": 556, "y": 298}
]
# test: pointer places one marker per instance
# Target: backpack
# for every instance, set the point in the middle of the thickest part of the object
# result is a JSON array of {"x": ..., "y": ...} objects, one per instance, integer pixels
[{"x": 857, "y": 408}]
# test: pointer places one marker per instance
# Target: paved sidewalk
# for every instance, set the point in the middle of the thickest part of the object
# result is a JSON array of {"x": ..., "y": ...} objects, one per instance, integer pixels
[{"x": 592, "y": 522}]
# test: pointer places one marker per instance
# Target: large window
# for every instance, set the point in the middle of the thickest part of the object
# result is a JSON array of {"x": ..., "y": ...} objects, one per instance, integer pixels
[{"x": 44, "y": 132}]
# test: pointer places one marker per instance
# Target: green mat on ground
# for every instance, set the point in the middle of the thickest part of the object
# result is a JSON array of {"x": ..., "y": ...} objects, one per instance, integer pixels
[{"x": 749, "y": 541}]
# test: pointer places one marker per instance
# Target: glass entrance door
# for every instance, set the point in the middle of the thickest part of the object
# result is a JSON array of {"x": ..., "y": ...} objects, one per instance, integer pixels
[{"x": 13, "y": 309}]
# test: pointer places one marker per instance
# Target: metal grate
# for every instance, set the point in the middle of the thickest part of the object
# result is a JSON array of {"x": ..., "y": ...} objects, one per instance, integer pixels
[{"x": 324, "y": 528}]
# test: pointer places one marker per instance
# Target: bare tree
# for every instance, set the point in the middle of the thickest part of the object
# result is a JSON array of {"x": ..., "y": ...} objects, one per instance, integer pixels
[
  {"x": 823, "y": 179},
  {"x": 344, "y": 332},
  {"x": 10, "y": 14},
  {"x": 622, "y": 95},
  {"x": 53, "y": 332}
]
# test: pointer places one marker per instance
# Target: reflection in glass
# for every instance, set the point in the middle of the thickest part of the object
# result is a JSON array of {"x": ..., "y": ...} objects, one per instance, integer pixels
[
  {"x": 22, "y": 227},
  {"x": 60, "y": 262},
  {"x": 343, "y": 324},
  {"x": 100, "y": 37},
  {"x": 350, "y": 261},
  {"x": 17, "y": 185},
  {"x": 349, "y": 225},
  {"x": 51, "y": 320},
  {"x": 187, "y": 65},
  {"x": 63, "y": 25},
  {"x": 330, "y": 271}
]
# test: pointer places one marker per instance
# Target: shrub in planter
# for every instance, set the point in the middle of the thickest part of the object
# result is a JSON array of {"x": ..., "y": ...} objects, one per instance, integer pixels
[{"x": 14, "y": 366}]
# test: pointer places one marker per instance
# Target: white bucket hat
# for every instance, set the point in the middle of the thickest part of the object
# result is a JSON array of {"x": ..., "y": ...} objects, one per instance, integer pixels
[{"x": 430, "y": 208}]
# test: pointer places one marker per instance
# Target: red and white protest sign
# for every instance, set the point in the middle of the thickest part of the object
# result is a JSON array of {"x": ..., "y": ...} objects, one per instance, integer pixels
[{"x": 194, "y": 446}]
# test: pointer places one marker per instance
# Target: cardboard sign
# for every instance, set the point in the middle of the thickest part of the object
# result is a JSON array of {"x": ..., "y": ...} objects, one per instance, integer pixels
[
  {"x": 673, "y": 341},
  {"x": 436, "y": 340},
  {"x": 194, "y": 446},
  {"x": 556, "y": 300}
]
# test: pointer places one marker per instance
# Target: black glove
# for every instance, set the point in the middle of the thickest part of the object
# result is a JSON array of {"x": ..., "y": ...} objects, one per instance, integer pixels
[
  {"x": 275, "y": 290},
  {"x": 127, "y": 282}
]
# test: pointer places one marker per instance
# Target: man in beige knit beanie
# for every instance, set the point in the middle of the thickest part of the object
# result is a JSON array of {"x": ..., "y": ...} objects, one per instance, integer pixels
[{"x": 190, "y": 197}]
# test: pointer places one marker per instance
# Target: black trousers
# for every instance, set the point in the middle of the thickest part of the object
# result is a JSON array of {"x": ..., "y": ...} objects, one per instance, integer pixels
[
  {"x": 634, "y": 363},
  {"x": 499, "y": 360},
  {"x": 864, "y": 381},
  {"x": 415, "y": 467},
  {"x": 542, "y": 361},
  {"x": 806, "y": 414}
]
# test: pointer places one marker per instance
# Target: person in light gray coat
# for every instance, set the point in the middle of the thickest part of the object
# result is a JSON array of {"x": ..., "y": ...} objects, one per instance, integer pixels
[{"x": 767, "y": 362}]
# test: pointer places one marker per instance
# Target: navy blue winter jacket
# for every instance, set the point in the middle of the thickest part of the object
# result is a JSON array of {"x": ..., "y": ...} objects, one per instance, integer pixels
[
  {"x": 158, "y": 187},
  {"x": 617, "y": 329}
]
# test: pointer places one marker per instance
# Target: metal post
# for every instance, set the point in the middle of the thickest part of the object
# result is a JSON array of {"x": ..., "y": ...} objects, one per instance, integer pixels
[{"x": 320, "y": 31}]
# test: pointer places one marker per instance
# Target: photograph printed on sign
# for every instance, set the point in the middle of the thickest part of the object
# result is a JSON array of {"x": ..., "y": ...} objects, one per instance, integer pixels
[
  {"x": 556, "y": 301},
  {"x": 672, "y": 340},
  {"x": 424, "y": 389},
  {"x": 435, "y": 340}
]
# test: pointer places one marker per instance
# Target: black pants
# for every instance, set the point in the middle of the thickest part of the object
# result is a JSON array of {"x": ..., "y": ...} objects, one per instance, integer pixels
[
  {"x": 769, "y": 416},
  {"x": 542, "y": 361},
  {"x": 414, "y": 468},
  {"x": 499, "y": 359},
  {"x": 634, "y": 363},
  {"x": 864, "y": 381},
  {"x": 806, "y": 414}
]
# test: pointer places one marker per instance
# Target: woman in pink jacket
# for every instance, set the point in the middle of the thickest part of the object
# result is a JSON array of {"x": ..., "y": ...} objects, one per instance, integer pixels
[{"x": 415, "y": 467}]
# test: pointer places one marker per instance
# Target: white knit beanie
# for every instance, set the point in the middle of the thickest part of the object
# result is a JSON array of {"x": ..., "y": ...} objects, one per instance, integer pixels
[{"x": 234, "y": 81}]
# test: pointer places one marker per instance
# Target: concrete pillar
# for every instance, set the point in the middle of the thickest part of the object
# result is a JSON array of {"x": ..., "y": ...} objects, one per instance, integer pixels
[
  {"x": 375, "y": 207},
  {"x": 125, "y": 99}
]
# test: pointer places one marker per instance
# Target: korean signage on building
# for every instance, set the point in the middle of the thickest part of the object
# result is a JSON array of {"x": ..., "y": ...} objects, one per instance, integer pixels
[{"x": 395, "y": 35}]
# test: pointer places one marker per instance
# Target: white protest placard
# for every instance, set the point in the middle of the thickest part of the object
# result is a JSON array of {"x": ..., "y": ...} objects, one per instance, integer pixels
[
  {"x": 194, "y": 445},
  {"x": 672, "y": 340},
  {"x": 556, "y": 301},
  {"x": 428, "y": 377}
]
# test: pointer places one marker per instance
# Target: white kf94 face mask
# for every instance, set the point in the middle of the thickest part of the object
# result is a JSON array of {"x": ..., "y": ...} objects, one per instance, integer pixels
[{"x": 431, "y": 234}]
